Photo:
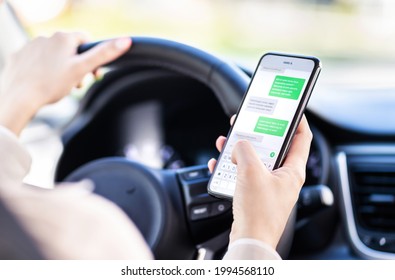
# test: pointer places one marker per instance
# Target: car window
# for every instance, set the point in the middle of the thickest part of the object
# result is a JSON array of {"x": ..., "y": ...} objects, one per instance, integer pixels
[{"x": 354, "y": 38}]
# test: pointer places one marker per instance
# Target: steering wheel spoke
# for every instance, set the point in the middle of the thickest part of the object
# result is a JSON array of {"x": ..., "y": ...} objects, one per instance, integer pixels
[{"x": 207, "y": 216}]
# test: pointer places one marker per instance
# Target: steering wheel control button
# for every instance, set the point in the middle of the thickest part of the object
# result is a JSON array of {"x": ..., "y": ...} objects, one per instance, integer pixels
[
  {"x": 193, "y": 175},
  {"x": 209, "y": 210},
  {"x": 199, "y": 212},
  {"x": 219, "y": 208}
]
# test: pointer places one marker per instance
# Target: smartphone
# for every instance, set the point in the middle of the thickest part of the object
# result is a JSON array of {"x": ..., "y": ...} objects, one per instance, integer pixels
[{"x": 268, "y": 116}]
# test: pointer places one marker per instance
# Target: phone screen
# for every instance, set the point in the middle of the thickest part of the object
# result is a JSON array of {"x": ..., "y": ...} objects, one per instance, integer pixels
[{"x": 275, "y": 95}]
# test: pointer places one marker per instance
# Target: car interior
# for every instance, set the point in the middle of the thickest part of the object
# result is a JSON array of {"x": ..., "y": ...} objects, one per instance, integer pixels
[{"x": 151, "y": 122}]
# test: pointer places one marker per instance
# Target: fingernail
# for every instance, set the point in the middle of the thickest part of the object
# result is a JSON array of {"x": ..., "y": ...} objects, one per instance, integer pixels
[{"x": 122, "y": 43}]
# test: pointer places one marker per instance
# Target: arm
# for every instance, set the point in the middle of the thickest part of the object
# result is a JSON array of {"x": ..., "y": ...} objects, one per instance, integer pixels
[
  {"x": 42, "y": 72},
  {"x": 45, "y": 70},
  {"x": 263, "y": 200}
]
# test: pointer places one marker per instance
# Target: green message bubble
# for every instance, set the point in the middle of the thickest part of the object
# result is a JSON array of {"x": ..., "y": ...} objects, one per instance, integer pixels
[
  {"x": 271, "y": 126},
  {"x": 287, "y": 87}
]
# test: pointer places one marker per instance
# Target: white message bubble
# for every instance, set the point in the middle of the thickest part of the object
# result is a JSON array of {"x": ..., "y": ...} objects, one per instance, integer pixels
[{"x": 261, "y": 105}]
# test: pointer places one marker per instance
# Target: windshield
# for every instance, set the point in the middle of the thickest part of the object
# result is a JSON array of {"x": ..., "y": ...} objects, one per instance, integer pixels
[{"x": 354, "y": 38}]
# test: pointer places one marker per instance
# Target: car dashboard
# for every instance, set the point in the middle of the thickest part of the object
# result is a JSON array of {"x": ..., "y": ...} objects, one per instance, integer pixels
[{"x": 357, "y": 125}]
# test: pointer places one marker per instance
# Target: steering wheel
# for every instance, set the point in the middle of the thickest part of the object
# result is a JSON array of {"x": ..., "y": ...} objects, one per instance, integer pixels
[{"x": 172, "y": 209}]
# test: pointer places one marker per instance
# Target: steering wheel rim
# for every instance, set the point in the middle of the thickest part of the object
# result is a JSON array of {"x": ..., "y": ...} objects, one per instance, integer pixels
[{"x": 227, "y": 82}]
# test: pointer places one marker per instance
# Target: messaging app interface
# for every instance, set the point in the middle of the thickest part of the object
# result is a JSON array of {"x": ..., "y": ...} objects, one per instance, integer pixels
[{"x": 266, "y": 114}]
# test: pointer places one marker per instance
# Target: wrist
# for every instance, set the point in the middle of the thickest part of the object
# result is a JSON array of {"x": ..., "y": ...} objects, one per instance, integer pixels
[
  {"x": 16, "y": 111},
  {"x": 257, "y": 234}
]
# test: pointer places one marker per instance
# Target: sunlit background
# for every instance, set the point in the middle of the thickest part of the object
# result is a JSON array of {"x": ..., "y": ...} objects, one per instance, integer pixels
[
  {"x": 355, "y": 40},
  {"x": 357, "y": 34}
]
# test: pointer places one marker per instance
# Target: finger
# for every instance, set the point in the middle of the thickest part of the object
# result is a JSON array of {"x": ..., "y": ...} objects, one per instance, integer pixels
[
  {"x": 299, "y": 151},
  {"x": 232, "y": 119},
  {"x": 211, "y": 164},
  {"x": 246, "y": 158},
  {"x": 103, "y": 53},
  {"x": 220, "y": 143}
]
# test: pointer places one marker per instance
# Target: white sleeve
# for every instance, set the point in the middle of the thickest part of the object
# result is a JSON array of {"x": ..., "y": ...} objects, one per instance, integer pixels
[
  {"x": 250, "y": 249},
  {"x": 15, "y": 161}
]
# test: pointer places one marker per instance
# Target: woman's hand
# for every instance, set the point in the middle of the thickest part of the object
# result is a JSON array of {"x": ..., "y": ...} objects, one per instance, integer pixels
[
  {"x": 263, "y": 200},
  {"x": 45, "y": 70}
]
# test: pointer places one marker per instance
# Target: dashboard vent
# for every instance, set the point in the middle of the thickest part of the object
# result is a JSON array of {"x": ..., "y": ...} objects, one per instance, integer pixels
[
  {"x": 367, "y": 185},
  {"x": 373, "y": 194}
]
